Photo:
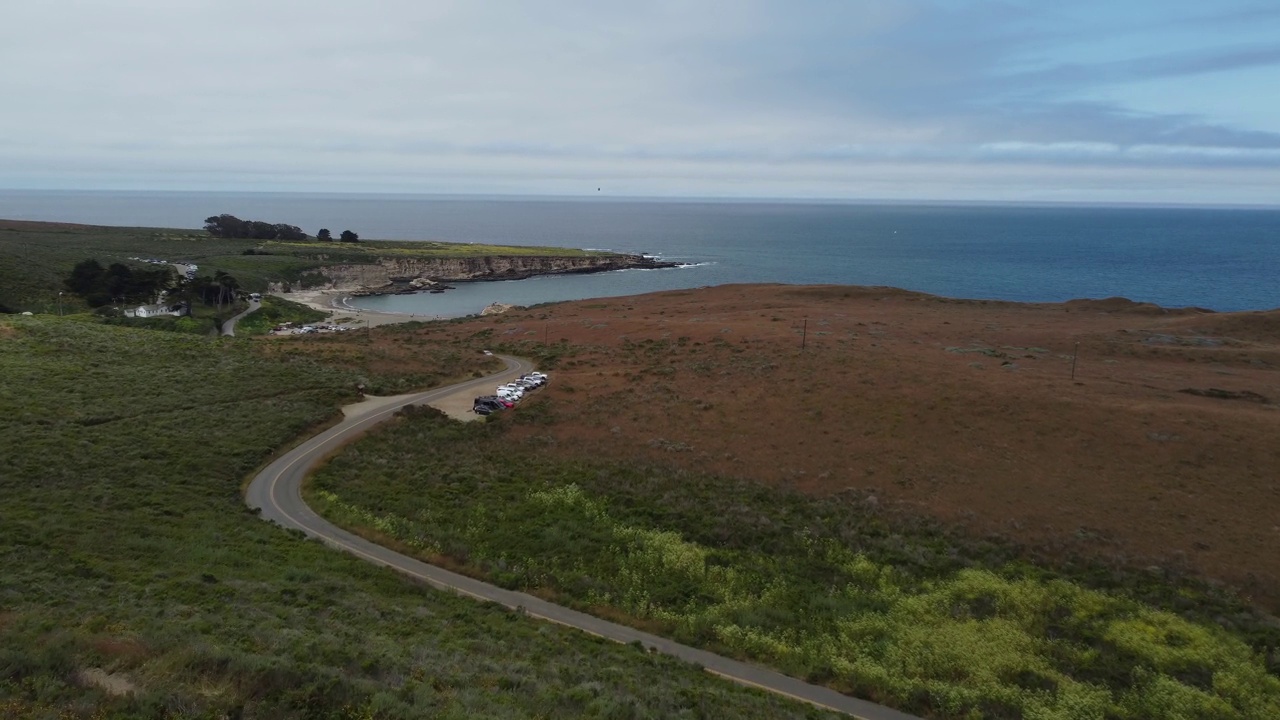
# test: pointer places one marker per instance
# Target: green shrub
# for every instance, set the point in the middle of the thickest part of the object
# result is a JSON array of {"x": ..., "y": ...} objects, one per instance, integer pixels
[
  {"x": 821, "y": 589},
  {"x": 125, "y": 546}
]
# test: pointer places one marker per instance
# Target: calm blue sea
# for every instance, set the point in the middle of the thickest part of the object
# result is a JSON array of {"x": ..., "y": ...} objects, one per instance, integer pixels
[{"x": 1224, "y": 259}]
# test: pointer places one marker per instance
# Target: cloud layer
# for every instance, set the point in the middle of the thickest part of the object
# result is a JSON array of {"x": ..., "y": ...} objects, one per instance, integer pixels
[{"x": 936, "y": 99}]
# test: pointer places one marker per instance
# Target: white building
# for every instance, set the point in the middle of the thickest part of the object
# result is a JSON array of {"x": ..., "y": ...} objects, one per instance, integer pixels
[{"x": 146, "y": 311}]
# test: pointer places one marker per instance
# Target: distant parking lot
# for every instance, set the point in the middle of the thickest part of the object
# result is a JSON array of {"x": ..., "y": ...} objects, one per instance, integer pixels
[{"x": 291, "y": 329}]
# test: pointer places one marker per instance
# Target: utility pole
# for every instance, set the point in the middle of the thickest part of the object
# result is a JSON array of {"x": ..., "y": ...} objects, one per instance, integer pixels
[{"x": 1073, "y": 361}]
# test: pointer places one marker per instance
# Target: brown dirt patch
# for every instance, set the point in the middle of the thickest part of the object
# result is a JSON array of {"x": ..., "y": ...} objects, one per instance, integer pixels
[
  {"x": 127, "y": 650},
  {"x": 964, "y": 410}
]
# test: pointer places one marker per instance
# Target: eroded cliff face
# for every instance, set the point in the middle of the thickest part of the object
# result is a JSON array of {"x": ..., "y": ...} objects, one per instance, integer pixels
[{"x": 396, "y": 274}]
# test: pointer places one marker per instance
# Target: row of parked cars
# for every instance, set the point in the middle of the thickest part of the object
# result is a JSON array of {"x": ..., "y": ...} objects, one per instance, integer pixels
[
  {"x": 191, "y": 267},
  {"x": 508, "y": 395}
]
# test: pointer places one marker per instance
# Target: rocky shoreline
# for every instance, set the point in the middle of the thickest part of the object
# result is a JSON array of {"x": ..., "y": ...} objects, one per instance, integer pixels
[{"x": 415, "y": 276}]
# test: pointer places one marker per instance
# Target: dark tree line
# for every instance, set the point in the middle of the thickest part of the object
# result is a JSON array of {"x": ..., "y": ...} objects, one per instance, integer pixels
[
  {"x": 100, "y": 286},
  {"x": 230, "y": 226},
  {"x": 346, "y": 236},
  {"x": 217, "y": 290}
]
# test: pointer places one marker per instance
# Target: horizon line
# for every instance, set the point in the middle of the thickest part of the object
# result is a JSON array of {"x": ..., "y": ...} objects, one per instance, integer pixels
[{"x": 708, "y": 199}]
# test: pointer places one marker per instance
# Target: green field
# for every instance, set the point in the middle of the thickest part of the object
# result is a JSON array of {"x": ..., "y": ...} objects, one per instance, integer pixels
[
  {"x": 35, "y": 257},
  {"x": 134, "y": 582},
  {"x": 831, "y": 590}
]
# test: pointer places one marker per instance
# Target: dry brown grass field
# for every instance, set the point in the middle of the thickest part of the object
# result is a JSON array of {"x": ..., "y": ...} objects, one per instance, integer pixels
[{"x": 1163, "y": 449}]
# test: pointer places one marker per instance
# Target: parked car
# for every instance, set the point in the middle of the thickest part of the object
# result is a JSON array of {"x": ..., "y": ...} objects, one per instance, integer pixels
[
  {"x": 487, "y": 404},
  {"x": 501, "y": 403}
]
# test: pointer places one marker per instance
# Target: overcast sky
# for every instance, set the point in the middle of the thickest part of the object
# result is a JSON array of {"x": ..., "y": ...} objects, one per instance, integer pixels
[{"x": 1121, "y": 100}]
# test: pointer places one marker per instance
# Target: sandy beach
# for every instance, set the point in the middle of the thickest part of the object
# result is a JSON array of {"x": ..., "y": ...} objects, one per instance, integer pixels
[{"x": 332, "y": 303}]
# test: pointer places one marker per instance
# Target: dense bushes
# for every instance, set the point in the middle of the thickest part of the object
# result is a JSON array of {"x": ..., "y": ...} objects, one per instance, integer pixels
[{"x": 185, "y": 324}]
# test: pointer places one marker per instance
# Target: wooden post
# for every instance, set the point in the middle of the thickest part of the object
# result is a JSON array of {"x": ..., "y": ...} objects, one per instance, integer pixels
[
  {"x": 1073, "y": 361},
  {"x": 804, "y": 333}
]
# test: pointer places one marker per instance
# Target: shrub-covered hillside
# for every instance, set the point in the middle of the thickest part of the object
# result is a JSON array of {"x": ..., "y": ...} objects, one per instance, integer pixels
[{"x": 134, "y": 583}]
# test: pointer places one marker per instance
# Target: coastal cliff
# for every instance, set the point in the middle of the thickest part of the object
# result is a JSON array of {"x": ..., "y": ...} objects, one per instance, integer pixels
[{"x": 391, "y": 275}]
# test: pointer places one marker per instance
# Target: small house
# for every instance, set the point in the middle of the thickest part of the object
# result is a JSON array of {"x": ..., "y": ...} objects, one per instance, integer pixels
[{"x": 147, "y": 311}]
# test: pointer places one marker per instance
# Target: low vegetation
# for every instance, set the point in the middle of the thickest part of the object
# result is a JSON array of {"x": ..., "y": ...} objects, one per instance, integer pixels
[
  {"x": 830, "y": 589},
  {"x": 389, "y": 360},
  {"x": 276, "y": 311},
  {"x": 134, "y": 582},
  {"x": 204, "y": 322}
]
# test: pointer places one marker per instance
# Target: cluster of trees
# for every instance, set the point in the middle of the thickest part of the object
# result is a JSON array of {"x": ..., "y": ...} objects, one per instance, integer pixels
[
  {"x": 346, "y": 236},
  {"x": 230, "y": 226},
  {"x": 120, "y": 283},
  {"x": 217, "y": 290},
  {"x": 100, "y": 285}
]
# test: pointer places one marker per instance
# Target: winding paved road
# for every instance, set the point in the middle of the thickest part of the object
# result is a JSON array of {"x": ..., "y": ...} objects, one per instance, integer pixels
[
  {"x": 229, "y": 327},
  {"x": 277, "y": 492}
]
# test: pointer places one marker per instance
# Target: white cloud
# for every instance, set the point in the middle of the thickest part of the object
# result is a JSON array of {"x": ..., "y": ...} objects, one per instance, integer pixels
[{"x": 744, "y": 98}]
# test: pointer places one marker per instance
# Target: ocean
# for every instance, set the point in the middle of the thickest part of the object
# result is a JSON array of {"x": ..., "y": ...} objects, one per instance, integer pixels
[{"x": 1221, "y": 259}]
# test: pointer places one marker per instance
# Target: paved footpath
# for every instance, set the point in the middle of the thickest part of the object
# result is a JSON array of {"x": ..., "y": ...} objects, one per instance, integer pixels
[{"x": 277, "y": 492}]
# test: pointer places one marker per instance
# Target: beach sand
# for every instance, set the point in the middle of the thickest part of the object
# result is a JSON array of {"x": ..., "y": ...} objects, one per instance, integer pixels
[{"x": 332, "y": 303}]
